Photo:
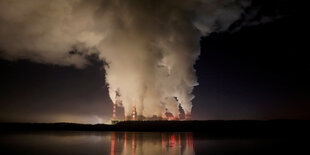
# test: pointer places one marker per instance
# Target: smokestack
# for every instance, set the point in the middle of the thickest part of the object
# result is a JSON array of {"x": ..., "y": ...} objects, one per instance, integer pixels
[
  {"x": 134, "y": 113},
  {"x": 117, "y": 101},
  {"x": 114, "y": 110}
]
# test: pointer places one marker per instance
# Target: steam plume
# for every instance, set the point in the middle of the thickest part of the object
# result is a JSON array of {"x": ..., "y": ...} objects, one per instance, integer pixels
[{"x": 150, "y": 46}]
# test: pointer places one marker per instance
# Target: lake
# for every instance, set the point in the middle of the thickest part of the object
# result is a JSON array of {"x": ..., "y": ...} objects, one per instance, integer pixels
[{"x": 138, "y": 143}]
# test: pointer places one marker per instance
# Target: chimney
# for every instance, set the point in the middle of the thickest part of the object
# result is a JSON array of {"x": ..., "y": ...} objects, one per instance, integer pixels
[
  {"x": 114, "y": 110},
  {"x": 134, "y": 112}
]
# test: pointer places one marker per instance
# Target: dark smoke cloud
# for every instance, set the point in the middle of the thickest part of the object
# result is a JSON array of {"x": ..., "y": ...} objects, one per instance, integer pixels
[{"x": 264, "y": 11}]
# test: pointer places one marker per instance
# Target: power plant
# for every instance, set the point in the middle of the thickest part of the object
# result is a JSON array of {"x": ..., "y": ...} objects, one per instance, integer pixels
[
  {"x": 119, "y": 114},
  {"x": 134, "y": 116}
]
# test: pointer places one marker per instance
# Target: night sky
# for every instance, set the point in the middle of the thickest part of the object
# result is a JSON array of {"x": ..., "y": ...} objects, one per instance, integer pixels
[
  {"x": 256, "y": 72},
  {"x": 256, "y": 69}
]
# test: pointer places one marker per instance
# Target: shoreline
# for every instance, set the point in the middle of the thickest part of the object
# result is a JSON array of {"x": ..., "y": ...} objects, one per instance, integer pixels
[{"x": 213, "y": 128}]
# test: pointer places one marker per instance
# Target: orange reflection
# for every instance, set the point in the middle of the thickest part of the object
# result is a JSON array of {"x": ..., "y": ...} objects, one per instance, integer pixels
[
  {"x": 186, "y": 141},
  {"x": 172, "y": 141},
  {"x": 112, "y": 143},
  {"x": 125, "y": 142},
  {"x": 191, "y": 141},
  {"x": 166, "y": 143},
  {"x": 162, "y": 142},
  {"x": 162, "y": 139},
  {"x": 133, "y": 143}
]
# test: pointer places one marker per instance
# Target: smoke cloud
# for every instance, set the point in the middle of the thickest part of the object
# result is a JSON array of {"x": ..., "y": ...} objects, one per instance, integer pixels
[{"x": 150, "y": 46}]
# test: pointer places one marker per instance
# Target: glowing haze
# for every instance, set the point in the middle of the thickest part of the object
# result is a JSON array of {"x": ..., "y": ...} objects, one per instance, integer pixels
[{"x": 149, "y": 46}]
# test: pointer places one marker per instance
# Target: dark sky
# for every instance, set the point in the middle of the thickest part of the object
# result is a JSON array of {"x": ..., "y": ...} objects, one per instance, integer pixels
[
  {"x": 257, "y": 69},
  {"x": 257, "y": 72},
  {"x": 37, "y": 92}
]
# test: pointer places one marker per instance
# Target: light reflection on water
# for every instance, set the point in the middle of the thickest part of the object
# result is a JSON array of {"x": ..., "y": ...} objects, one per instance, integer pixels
[
  {"x": 140, "y": 143},
  {"x": 151, "y": 143},
  {"x": 113, "y": 143}
]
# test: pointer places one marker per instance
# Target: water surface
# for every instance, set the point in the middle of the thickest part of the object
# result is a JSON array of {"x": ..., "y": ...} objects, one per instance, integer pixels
[{"x": 135, "y": 143}]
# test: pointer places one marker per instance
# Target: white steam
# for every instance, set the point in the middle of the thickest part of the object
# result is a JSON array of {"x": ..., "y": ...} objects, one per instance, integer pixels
[{"x": 150, "y": 45}]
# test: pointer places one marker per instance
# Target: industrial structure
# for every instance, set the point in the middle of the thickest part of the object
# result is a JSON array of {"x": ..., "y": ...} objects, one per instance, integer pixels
[
  {"x": 117, "y": 105},
  {"x": 134, "y": 113},
  {"x": 134, "y": 116},
  {"x": 114, "y": 118},
  {"x": 117, "y": 102}
]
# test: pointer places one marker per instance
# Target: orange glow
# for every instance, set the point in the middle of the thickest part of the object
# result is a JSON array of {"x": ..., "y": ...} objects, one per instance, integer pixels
[{"x": 171, "y": 118}]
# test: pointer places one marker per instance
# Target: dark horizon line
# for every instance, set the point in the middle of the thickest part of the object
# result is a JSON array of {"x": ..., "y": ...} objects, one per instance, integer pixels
[{"x": 212, "y": 128}]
